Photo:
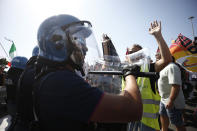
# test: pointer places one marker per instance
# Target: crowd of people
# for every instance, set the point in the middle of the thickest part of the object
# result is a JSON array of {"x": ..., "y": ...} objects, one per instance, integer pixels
[{"x": 53, "y": 90}]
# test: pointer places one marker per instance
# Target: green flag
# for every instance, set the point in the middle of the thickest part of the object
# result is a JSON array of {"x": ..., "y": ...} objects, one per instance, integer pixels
[{"x": 12, "y": 51}]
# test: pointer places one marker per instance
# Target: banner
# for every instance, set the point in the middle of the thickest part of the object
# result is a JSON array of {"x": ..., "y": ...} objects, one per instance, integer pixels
[{"x": 185, "y": 53}]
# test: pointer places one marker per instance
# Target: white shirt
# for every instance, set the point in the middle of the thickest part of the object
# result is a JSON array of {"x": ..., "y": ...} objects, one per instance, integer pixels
[{"x": 171, "y": 74}]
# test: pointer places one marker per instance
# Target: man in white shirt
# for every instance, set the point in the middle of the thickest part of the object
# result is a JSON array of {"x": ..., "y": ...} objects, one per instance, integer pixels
[{"x": 172, "y": 98}]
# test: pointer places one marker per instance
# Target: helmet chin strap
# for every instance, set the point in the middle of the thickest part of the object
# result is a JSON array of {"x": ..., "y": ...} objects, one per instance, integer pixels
[
  {"x": 71, "y": 60},
  {"x": 82, "y": 71},
  {"x": 75, "y": 66}
]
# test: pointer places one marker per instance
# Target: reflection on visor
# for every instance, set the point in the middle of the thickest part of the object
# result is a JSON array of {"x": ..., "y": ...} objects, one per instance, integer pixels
[
  {"x": 79, "y": 35},
  {"x": 81, "y": 31},
  {"x": 82, "y": 28},
  {"x": 76, "y": 23}
]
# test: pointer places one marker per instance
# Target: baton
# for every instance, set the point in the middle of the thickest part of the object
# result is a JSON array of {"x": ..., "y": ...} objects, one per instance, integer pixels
[{"x": 138, "y": 74}]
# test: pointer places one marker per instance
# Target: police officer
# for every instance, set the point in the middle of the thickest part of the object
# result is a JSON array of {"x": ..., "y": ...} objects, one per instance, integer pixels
[
  {"x": 18, "y": 64},
  {"x": 64, "y": 100},
  {"x": 24, "y": 95}
]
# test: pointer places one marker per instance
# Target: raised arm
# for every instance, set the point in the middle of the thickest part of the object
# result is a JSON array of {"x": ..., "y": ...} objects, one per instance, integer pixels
[{"x": 166, "y": 57}]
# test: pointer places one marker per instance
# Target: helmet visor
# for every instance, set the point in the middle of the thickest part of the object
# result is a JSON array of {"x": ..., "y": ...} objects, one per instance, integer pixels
[{"x": 85, "y": 47}]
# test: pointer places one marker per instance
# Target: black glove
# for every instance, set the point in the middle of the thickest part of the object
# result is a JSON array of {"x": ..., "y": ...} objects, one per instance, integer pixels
[{"x": 130, "y": 70}]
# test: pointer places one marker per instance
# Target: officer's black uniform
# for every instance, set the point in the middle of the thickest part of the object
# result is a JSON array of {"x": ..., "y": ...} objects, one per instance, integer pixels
[
  {"x": 24, "y": 97},
  {"x": 12, "y": 78}
]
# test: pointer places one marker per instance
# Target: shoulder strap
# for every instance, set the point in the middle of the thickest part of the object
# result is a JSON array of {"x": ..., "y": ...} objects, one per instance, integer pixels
[{"x": 36, "y": 88}]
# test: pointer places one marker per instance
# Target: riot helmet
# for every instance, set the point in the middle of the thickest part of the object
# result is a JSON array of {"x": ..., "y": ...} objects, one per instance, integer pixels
[
  {"x": 64, "y": 38},
  {"x": 19, "y": 62},
  {"x": 33, "y": 59},
  {"x": 35, "y": 51}
]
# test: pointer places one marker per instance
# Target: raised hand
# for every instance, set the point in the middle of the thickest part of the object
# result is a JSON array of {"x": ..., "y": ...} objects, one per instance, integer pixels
[{"x": 155, "y": 28}]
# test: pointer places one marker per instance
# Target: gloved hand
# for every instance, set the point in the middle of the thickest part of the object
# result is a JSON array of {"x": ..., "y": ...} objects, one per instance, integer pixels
[{"x": 130, "y": 70}]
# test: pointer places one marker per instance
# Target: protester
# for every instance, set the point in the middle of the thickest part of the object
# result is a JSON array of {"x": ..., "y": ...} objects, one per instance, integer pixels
[
  {"x": 150, "y": 96},
  {"x": 134, "y": 48},
  {"x": 64, "y": 101},
  {"x": 132, "y": 126},
  {"x": 172, "y": 98}
]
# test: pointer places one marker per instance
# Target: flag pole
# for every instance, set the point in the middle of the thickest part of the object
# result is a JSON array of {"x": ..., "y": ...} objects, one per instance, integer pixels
[
  {"x": 190, "y": 18},
  {"x": 4, "y": 50}
]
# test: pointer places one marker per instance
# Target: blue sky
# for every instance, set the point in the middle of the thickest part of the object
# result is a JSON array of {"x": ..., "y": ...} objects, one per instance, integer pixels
[{"x": 125, "y": 21}]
